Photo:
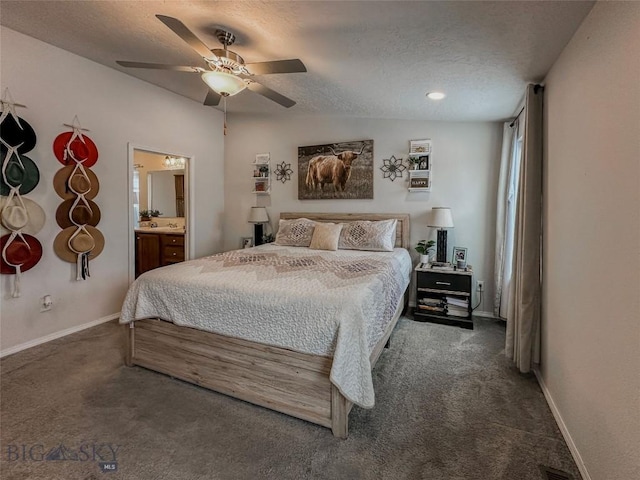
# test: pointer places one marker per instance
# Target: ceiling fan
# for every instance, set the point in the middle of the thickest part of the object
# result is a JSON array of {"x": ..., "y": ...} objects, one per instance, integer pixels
[{"x": 227, "y": 74}]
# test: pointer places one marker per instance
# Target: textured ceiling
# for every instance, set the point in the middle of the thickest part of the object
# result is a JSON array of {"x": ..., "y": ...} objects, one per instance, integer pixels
[{"x": 364, "y": 59}]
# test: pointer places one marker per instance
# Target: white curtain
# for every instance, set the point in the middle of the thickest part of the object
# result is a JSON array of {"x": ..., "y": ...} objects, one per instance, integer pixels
[
  {"x": 523, "y": 312},
  {"x": 506, "y": 214}
]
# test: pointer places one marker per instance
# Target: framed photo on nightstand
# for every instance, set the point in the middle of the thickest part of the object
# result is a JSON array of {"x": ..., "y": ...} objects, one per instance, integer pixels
[
  {"x": 459, "y": 254},
  {"x": 247, "y": 242}
]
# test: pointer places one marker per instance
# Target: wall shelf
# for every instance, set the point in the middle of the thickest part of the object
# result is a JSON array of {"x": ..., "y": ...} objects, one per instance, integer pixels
[
  {"x": 420, "y": 177},
  {"x": 261, "y": 174},
  {"x": 419, "y": 180}
]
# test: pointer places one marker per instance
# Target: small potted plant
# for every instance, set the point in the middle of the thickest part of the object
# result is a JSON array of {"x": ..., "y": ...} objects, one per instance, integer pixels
[
  {"x": 154, "y": 213},
  {"x": 414, "y": 162},
  {"x": 264, "y": 170},
  {"x": 269, "y": 238},
  {"x": 145, "y": 215},
  {"x": 425, "y": 249}
]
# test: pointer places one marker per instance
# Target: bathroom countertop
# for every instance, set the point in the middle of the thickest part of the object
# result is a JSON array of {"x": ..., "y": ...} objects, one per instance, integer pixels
[{"x": 172, "y": 230}]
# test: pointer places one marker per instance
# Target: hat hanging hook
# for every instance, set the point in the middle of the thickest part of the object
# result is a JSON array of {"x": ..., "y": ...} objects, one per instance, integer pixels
[{"x": 8, "y": 107}]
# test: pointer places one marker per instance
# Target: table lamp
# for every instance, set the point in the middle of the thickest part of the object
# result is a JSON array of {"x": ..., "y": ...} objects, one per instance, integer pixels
[
  {"x": 258, "y": 216},
  {"x": 441, "y": 219}
]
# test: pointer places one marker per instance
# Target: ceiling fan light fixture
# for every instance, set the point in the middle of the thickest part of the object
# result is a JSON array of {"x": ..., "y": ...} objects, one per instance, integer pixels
[{"x": 225, "y": 84}]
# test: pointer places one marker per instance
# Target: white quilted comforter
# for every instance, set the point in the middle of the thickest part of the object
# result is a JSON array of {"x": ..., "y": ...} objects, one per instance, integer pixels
[{"x": 325, "y": 303}]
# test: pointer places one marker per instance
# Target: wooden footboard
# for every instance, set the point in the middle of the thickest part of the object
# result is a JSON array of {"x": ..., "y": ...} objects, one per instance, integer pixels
[
  {"x": 290, "y": 382},
  {"x": 283, "y": 380}
]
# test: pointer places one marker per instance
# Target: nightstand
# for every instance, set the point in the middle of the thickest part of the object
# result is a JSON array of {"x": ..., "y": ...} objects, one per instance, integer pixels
[{"x": 443, "y": 296}]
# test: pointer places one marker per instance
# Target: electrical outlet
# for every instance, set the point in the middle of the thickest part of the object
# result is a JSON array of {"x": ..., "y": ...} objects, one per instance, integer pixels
[
  {"x": 480, "y": 285},
  {"x": 46, "y": 303}
]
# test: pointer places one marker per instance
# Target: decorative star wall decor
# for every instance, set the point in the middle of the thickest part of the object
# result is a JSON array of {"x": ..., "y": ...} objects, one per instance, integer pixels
[
  {"x": 392, "y": 168},
  {"x": 283, "y": 172}
]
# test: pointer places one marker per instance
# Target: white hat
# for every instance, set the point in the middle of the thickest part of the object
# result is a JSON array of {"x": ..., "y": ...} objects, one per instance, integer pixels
[{"x": 19, "y": 213}]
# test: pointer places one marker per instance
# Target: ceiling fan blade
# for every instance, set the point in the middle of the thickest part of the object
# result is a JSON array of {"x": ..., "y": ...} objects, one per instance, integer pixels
[
  {"x": 212, "y": 98},
  {"x": 278, "y": 66},
  {"x": 271, "y": 94},
  {"x": 187, "y": 35},
  {"x": 160, "y": 66}
]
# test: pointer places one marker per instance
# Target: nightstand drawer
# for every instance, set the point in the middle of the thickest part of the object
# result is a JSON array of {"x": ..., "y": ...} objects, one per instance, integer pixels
[{"x": 444, "y": 281}]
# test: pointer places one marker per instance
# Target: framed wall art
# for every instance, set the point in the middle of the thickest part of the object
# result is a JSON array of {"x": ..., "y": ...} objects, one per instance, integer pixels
[{"x": 336, "y": 171}]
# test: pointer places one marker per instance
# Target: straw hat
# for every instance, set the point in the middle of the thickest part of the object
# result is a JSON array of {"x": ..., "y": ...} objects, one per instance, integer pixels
[
  {"x": 80, "y": 150},
  {"x": 14, "y": 134},
  {"x": 27, "y": 255},
  {"x": 90, "y": 241},
  {"x": 78, "y": 183},
  {"x": 13, "y": 216},
  {"x": 27, "y": 177},
  {"x": 81, "y": 214}
]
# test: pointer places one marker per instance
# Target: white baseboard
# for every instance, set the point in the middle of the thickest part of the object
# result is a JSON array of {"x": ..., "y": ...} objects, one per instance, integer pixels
[
  {"x": 477, "y": 313},
  {"x": 53, "y": 336},
  {"x": 563, "y": 428}
]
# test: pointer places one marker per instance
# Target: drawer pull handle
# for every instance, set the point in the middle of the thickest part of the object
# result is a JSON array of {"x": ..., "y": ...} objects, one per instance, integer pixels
[
  {"x": 174, "y": 254},
  {"x": 443, "y": 283}
]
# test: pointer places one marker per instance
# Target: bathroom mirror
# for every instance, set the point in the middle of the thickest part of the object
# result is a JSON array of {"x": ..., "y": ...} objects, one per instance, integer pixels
[
  {"x": 158, "y": 181},
  {"x": 166, "y": 192}
]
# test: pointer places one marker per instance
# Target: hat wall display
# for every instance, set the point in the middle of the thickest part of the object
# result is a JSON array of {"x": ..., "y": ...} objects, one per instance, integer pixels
[
  {"x": 18, "y": 211},
  {"x": 23, "y": 250},
  {"x": 80, "y": 149},
  {"x": 19, "y": 175},
  {"x": 64, "y": 190},
  {"x": 73, "y": 212},
  {"x": 89, "y": 239},
  {"x": 16, "y": 134},
  {"x": 18, "y": 171},
  {"x": 78, "y": 215}
]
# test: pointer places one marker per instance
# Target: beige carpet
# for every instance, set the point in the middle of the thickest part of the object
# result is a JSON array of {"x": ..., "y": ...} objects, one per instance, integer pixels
[{"x": 449, "y": 407}]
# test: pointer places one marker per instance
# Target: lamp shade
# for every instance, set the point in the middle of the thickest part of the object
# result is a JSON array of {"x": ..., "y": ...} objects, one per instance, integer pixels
[
  {"x": 441, "y": 218},
  {"x": 225, "y": 84},
  {"x": 258, "y": 215}
]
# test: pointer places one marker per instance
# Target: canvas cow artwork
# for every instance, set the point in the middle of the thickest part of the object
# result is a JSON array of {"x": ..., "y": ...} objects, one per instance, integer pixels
[{"x": 336, "y": 171}]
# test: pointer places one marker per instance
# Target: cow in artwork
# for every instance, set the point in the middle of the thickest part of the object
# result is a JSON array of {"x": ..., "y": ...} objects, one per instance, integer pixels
[{"x": 332, "y": 169}]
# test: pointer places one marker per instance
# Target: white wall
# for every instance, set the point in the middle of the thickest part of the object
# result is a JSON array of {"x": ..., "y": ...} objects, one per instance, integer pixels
[
  {"x": 465, "y": 162},
  {"x": 591, "y": 312},
  {"x": 56, "y": 85}
]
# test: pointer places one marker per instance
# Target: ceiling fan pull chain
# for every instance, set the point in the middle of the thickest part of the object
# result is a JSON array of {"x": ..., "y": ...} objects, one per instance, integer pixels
[{"x": 224, "y": 100}]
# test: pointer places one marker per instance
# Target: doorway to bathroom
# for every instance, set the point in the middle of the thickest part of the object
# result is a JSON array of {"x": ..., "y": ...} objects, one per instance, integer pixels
[{"x": 159, "y": 209}]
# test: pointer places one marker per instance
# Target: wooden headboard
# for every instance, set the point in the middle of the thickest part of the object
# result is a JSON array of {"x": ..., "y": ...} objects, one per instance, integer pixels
[{"x": 402, "y": 228}]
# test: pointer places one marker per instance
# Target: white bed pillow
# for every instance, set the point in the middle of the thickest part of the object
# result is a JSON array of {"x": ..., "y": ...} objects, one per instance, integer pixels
[
  {"x": 326, "y": 236},
  {"x": 295, "y": 233},
  {"x": 379, "y": 236}
]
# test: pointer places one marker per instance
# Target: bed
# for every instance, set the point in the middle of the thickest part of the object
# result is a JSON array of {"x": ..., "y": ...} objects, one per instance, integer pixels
[{"x": 302, "y": 342}]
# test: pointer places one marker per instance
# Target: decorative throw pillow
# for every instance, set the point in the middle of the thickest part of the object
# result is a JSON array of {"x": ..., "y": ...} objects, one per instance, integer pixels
[
  {"x": 295, "y": 233},
  {"x": 326, "y": 236},
  {"x": 364, "y": 235}
]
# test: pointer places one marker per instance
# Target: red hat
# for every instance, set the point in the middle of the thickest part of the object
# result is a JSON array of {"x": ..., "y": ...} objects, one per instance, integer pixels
[
  {"x": 27, "y": 255},
  {"x": 79, "y": 149}
]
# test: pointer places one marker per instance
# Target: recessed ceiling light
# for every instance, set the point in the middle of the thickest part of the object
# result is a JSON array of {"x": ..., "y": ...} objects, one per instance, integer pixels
[{"x": 436, "y": 95}]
